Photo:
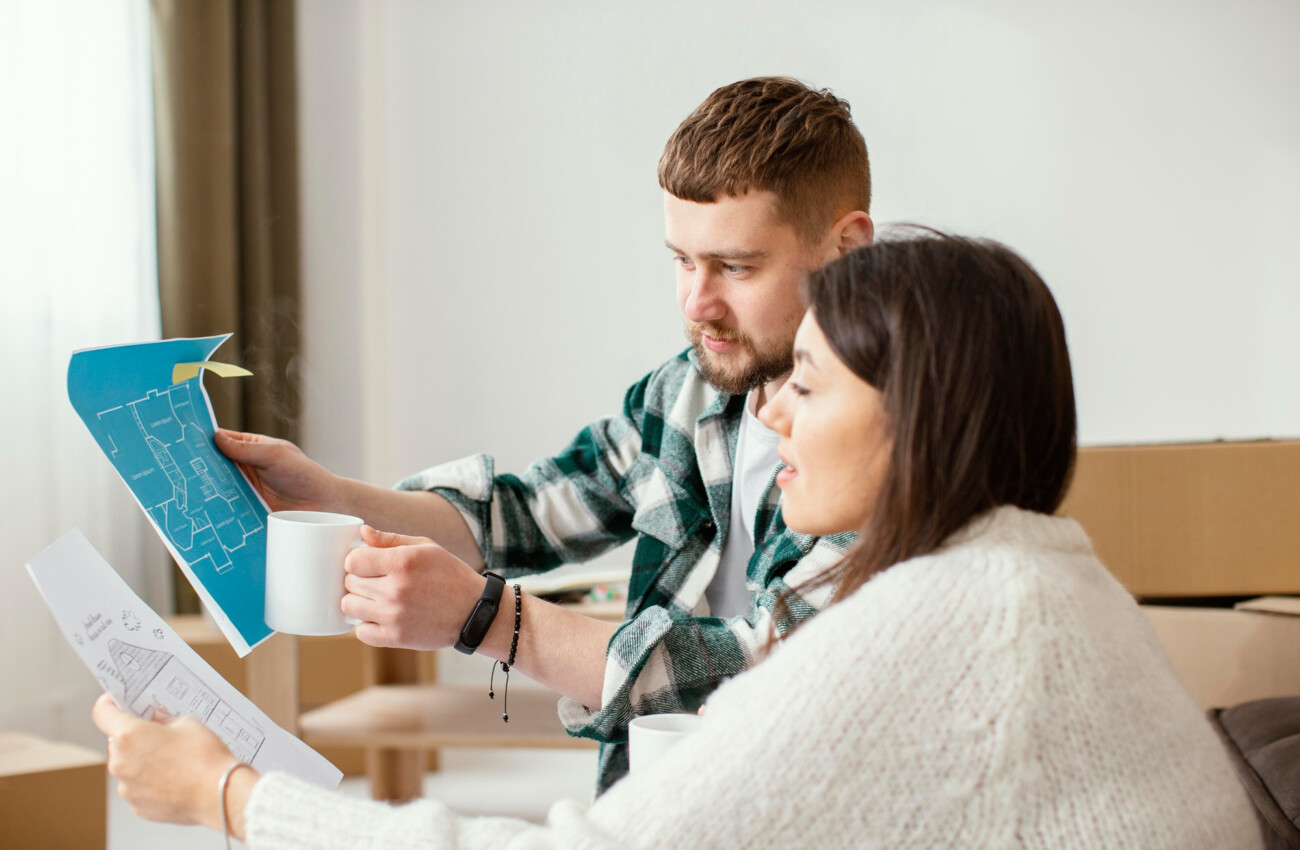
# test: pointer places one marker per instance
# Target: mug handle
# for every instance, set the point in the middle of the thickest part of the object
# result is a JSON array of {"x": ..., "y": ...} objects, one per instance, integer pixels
[{"x": 353, "y": 621}]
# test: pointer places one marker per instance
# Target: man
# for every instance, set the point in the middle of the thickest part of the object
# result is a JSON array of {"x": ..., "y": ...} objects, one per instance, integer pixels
[{"x": 766, "y": 180}]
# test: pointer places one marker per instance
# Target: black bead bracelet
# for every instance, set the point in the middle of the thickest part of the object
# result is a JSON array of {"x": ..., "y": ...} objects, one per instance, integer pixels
[{"x": 509, "y": 662}]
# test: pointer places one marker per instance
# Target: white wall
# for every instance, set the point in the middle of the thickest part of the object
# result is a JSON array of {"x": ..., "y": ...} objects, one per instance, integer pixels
[{"x": 483, "y": 229}]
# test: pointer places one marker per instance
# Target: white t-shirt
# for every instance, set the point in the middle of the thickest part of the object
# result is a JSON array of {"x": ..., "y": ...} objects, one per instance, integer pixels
[{"x": 755, "y": 461}]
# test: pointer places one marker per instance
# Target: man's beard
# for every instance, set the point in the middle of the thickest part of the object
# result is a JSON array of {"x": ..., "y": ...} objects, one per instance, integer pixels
[{"x": 762, "y": 368}]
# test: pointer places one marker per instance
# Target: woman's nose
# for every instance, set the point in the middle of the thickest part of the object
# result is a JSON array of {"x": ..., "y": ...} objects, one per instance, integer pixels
[{"x": 775, "y": 414}]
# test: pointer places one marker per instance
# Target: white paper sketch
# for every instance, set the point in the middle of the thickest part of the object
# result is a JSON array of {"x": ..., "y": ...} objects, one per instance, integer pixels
[
  {"x": 155, "y": 679},
  {"x": 144, "y": 665}
]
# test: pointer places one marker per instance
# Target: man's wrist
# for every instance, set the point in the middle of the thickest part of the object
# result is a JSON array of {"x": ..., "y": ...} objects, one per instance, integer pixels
[
  {"x": 482, "y": 615},
  {"x": 347, "y": 496},
  {"x": 496, "y": 643}
]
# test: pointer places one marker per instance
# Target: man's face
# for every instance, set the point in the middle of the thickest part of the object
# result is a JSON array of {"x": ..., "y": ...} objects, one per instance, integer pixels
[{"x": 738, "y": 274}]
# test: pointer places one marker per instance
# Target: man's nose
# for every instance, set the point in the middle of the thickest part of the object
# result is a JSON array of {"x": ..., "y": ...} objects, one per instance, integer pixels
[{"x": 704, "y": 302}]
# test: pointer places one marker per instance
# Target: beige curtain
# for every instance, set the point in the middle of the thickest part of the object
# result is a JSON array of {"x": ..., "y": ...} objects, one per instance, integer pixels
[{"x": 226, "y": 133}]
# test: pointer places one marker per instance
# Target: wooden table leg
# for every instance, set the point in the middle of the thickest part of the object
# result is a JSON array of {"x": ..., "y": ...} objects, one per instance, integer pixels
[
  {"x": 396, "y": 775},
  {"x": 273, "y": 680}
]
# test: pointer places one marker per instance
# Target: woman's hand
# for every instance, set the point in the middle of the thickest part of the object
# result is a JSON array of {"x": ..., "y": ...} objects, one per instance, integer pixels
[{"x": 168, "y": 770}]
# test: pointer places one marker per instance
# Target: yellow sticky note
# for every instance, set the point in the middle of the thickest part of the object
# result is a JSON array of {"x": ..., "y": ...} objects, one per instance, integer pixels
[{"x": 182, "y": 372}]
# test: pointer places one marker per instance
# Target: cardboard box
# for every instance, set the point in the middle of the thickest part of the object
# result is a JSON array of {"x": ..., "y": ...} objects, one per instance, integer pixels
[
  {"x": 1226, "y": 656},
  {"x": 1211, "y": 519},
  {"x": 53, "y": 796}
]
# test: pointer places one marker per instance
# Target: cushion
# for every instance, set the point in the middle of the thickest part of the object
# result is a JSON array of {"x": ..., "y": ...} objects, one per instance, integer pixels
[{"x": 1263, "y": 741}]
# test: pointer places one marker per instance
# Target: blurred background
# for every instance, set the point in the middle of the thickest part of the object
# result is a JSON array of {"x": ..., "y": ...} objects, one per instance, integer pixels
[{"x": 435, "y": 228}]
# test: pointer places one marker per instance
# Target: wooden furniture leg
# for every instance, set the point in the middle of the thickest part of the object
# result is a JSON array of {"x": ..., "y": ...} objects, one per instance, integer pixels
[
  {"x": 395, "y": 775},
  {"x": 273, "y": 680}
]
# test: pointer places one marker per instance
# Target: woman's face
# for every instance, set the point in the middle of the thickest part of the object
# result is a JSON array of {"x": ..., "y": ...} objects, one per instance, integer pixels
[{"x": 834, "y": 439}]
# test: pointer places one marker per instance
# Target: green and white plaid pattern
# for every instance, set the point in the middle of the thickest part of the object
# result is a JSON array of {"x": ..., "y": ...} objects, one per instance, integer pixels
[{"x": 661, "y": 472}]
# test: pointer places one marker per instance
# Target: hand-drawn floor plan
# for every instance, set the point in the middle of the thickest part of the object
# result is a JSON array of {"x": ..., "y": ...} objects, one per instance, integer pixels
[
  {"x": 156, "y": 679},
  {"x": 170, "y": 462},
  {"x": 138, "y": 658}
]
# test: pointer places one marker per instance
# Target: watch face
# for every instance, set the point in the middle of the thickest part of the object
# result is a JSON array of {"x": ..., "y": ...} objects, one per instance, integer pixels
[{"x": 479, "y": 621}]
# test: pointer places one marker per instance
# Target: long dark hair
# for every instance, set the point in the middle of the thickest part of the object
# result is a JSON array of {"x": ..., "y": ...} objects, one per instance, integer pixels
[{"x": 965, "y": 342}]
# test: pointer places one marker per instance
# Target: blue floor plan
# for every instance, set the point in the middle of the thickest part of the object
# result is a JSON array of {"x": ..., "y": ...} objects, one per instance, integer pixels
[{"x": 158, "y": 435}]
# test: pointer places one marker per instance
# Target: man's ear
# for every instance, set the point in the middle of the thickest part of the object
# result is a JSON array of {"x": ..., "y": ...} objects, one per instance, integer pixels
[{"x": 853, "y": 230}]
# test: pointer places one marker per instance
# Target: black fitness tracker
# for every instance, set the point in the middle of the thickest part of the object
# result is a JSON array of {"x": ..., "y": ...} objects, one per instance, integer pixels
[{"x": 480, "y": 619}]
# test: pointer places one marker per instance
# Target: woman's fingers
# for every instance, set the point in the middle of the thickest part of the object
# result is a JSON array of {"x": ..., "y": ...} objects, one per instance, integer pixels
[{"x": 110, "y": 719}]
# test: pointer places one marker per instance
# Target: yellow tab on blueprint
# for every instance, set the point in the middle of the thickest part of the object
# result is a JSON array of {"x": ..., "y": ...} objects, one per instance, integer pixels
[{"x": 182, "y": 372}]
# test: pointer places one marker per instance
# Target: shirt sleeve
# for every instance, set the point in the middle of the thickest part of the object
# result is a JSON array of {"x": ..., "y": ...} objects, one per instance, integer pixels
[
  {"x": 288, "y": 813},
  {"x": 566, "y": 508},
  {"x": 658, "y": 662}
]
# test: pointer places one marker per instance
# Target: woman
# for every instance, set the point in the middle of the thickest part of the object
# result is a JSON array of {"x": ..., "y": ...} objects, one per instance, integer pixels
[{"x": 982, "y": 680}]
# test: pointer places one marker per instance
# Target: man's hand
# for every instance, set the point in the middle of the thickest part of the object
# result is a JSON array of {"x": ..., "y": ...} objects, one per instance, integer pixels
[
  {"x": 287, "y": 479},
  {"x": 412, "y": 593},
  {"x": 409, "y": 591}
]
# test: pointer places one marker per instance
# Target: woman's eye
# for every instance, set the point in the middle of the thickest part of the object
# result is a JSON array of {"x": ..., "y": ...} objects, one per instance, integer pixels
[{"x": 798, "y": 389}]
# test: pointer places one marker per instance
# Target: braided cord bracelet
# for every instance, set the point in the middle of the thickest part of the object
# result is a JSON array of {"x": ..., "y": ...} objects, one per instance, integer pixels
[{"x": 508, "y": 663}]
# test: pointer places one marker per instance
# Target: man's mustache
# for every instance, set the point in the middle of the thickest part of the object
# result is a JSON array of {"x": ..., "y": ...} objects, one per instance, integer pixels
[{"x": 697, "y": 329}]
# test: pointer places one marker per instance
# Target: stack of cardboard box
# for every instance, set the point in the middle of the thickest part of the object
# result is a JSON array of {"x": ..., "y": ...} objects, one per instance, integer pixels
[
  {"x": 1195, "y": 532},
  {"x": 52, "y": 795}
]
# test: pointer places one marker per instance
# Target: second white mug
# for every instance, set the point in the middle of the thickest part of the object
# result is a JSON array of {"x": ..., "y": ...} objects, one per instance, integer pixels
[
  {"x": 652, "y": 735},
  {"x": 305, "y": 551}
]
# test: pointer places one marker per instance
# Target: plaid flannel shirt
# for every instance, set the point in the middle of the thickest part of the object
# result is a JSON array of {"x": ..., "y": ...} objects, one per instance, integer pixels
[{"x": 660, "y": 472}]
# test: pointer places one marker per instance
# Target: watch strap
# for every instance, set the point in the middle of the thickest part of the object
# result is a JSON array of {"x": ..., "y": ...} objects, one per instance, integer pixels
[{"x": 484, "y": 612}]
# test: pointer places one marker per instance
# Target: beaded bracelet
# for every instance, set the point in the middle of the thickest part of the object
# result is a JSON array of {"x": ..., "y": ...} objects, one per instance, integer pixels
[{"x": 508, "y": 663}]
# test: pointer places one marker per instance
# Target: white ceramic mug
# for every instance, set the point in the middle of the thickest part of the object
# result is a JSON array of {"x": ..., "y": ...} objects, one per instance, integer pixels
[
  {"x": 305, "y": 551},
  {"x": 652, "y": 735}
]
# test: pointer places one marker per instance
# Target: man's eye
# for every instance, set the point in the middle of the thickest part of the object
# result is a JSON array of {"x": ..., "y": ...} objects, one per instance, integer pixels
[
  {"x": 730, "y": 269},
  {"x": 682, "y": 261}
]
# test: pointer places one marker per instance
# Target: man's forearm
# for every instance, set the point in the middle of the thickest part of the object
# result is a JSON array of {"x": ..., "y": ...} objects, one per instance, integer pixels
[
  {"x": 414, "y": 512},
  {"x": 559, "y": 648}
]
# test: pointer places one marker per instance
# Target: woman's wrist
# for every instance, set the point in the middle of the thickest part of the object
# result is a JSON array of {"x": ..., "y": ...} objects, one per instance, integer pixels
[
  {"x": 238, "y": 790},
  {"x": 232, "y": 794}
]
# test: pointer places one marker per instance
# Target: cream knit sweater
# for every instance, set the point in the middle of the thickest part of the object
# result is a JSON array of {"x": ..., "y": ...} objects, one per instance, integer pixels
[{"x": 1003, "y": 692}]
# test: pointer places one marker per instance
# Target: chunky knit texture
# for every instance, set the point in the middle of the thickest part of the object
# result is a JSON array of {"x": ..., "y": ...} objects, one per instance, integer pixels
[
  {"x": 1003, "y": 692},
  {"x": 660, "y": 472}
]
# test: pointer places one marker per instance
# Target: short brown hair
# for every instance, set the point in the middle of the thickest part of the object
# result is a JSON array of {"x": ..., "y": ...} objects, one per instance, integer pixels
[{"x": 772, "y": 134}]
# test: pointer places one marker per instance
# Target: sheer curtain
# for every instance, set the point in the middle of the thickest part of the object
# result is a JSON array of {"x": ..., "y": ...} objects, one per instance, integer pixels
[{"x": 78, "y": 269}]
